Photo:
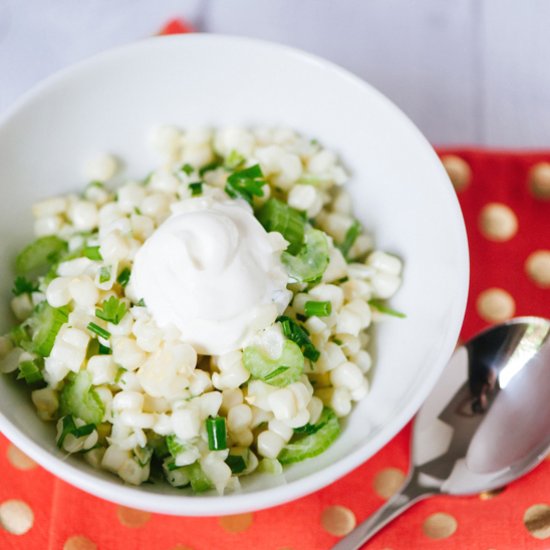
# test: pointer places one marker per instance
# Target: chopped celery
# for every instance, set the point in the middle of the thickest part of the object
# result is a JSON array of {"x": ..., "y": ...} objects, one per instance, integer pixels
[
  {"x": 198, "y": 479},
  {"x": 20, "y": 337},
  {"x": 46, "y": 323},
  {"x": 311, "y": 444},
  {"x": 79, "y": 399},
  {"x": 31, "y": 371},
  {"x": 39, "y": 255},
  {"x": 217, "y": 433},
  {"x": 278, "y": 372},
  {"x": 174, "y": 445},
  {"x": 312, "y": 259},
  {"x": 270, "y": 466},
  {"x": 177, "y": 477},
  {"x": 275, "y": 215}
]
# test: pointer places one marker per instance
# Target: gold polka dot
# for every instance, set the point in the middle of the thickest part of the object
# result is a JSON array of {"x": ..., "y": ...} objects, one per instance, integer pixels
[
  {"x": 487, "y": 495},
  {"x": 498, "y": 222},
  {"x": 16, "y": 517},
  {"x": 537, "y": 267},
  {"x": 79, "y": 542},
  {"x": 237, "y": 523},
  {"x": 495, "y": 305},
  {"x": 20, "y": 460},
  {"x": 181, "y": 547},
  {"x": 130, "y": 517},
  {"x": 439, "y": 526},
  {"x": 458, "y": 171},
  {"x": 539, "y": 180},
  {"x": 338, "y": 520},
  {"x": 388, "y": 481},
  {"x": 537, "y": 520}
]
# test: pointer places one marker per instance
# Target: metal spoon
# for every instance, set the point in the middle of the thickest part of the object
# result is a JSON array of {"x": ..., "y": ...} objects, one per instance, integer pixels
[{"x": 484, "y": 425}]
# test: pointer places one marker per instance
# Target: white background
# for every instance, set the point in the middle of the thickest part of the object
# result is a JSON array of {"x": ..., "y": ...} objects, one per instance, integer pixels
[{"x": 466, "y": 71}]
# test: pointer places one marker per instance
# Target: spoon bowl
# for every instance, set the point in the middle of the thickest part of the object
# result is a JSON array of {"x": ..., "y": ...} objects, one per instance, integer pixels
[{"x": 484, "y": 425}]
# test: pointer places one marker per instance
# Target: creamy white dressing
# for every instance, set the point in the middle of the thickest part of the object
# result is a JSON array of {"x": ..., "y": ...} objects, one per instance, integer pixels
[{"x": 212, "y": 271}]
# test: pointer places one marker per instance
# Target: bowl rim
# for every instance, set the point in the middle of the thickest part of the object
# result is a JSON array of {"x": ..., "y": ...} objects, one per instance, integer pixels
[{"x": 180, "y": 505}]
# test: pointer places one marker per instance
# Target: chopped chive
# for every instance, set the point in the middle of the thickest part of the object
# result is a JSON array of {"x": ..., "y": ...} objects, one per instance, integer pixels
[
  {"x": 137, "y": 211},
  {"x": 96, "y": 329},
  {"x": 351, "y": 236},
  {"x": 104, "y": 274},
  {"x": 298, "y": 334},
  {"x": 87, "y": 429},
  {"x": 141, "y": 303},
  {"x": 275, "y": 373},
  {"x": 93, "y": 253},
  {"x": 104, "y": 350},
  {"x": 210, "y": 166},
  {"x": 22, "y": 285},
  {"x": 318, "y": 309},
  {"x": 196, "y": 188},
  {"x": 236, "y": 463},
  {"x": 68, "y": 427},
  {"x": 337, "y": 341},
  {"x": 113, "y": 310},
  {"x": 124, "y": 276},
  {"x": 187, "y": 169},
  {"x": 30, "y": 372},
  {"x": 217, "y": 436},
  {"x": 246, "y": 184},
  {"x": 383, "y": 308}
]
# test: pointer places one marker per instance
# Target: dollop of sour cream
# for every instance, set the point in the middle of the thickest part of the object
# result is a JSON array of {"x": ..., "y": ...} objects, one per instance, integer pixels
[{"x": 213, "y": 272}]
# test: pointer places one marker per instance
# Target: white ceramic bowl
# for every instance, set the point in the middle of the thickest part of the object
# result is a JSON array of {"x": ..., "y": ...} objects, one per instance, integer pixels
[{"x": 400, "y": 192}]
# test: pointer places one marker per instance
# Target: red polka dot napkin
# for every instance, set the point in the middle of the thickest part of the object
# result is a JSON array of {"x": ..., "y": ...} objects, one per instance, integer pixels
[{"x": 505, "y": 198}]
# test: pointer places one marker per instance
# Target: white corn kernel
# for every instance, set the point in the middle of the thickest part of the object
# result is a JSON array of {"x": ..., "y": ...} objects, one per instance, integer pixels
[
  {"x": 322, "y": 162},
  {"x": 385, "y": 285},
  {"x": 142, "y": 226},
  {"x": 186, "y": 423},
  {"x": 331, "y": 356},
  {"x": 83, "y": 291},
  {"x": 348, "y": 322},
  {"x": 50, "y": 225},
  {"x": 326, "y": 292},
  {"x": 301, "y": 394},
  {"x": 163, "y": 425},
  {"x": 21, "y": 306},
  {"x": 301, "y": 418},
  {"x": 337, "y": 266},
  {"x": 363, "y": 360},
  {"x": 243, "y": 438},
  {"x": 49, "y": 207},
  {"x": 130, "y": 197},
  {"x": 166, "y": 140},
  {"x": 209, "y": 403},
  {"x": 260, "y": 416},
  {"x": 360, "y": 391},
  {"x": 57, "y": 293},
  {"x": 127, "y": 353},
  {"x": 270, "y": 444},
  {"x": 386, "y": 263},
  {"x": 75, "y": 267},
  {"x": 283, "y": 404},
  {"x": 114, "y": 458},
  {"x": 128, "y": 400},
  {"x": 83, "y": 215},
  {"x": 217, "y": 471},
  {"x": 135, "y": 419},
  {"x": 315, "y": 408},
  {"x": 231, "y": 398},
  {"x": 306, "y": 198},
  {"x": 199, "y": 382},
  {"x": 94, "y": 457},
  {"x": 102, "y": 368},
  {"x": 113, "y": 247},
  {"x": 239, "y": 417},
  {"x": 148, "y": 335},
  {"x": 347, "y": 375},
  {"x": 361, "y": 309},
  {"x": 155, "y": 206},
  {"x": 342, "y": 203},
  {"x": 46, "y": 402},
  {"x": 341, "y": 401},
  {"x": 133, "y": 473},
  {"x": 281, "y": 429},
  {"x": 101, "y": 168}
]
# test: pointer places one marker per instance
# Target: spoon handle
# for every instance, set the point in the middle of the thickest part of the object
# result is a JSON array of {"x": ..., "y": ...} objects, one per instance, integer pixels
[{"x": 410, "y": 493}]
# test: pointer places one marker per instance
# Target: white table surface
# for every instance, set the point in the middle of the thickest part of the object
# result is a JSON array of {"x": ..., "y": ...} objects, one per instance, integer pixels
[{"x": 466, "y": 71}]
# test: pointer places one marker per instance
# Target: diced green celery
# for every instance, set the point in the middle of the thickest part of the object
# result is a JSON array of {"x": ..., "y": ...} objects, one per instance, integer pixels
[
  {"x": 46, "y": 322},
  {"x": 308, "y": 445},
  {"x": 31, "y": 371},
  {"x": 177, "y": 477},
  {"x": 37, "y": 256},
  {"x": 79, "y": 399},
  {"x": 278, "y": 372},
  {"x": 198, "y": 479},
  {"x": 312, "y": 259},
  {"x": 270, "y": 466},
  {"x": 275, "y": 215},
  {"x": 174, "y": 445}
]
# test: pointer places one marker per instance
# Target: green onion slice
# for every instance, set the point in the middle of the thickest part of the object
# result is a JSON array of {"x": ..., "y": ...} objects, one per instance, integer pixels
[
  {"x": 317, "y": 309},
  {"x": 217, "y": 433}
]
